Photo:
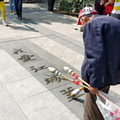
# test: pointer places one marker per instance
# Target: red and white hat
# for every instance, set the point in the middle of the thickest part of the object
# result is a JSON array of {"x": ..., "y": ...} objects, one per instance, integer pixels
[{"x": 86, "y": 11}]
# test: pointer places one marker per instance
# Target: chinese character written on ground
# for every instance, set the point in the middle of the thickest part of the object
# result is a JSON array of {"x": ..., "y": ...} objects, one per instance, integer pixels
[
  {"x": 68, "y": 92},
  {"x": 53, "y": 78},
  {"x": 17, "y": 51},
  {"x": 38, "y": 68},
  {"x": 26, "y": 58}
]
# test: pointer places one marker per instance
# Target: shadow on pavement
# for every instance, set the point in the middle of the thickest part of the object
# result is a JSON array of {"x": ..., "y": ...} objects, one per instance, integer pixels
[{"x": 37, "y": 13}]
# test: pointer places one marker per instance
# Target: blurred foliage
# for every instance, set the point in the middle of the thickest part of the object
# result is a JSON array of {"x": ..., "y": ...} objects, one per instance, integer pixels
[{"x": 72, "y": 7}]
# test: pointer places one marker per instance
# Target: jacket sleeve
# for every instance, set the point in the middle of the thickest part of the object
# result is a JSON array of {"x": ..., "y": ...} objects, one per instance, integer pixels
[{"x": 94, "y": 66}]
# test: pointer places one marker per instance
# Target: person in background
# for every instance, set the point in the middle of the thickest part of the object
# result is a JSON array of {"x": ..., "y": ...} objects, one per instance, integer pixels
[
  {"x": 101, "y": 65},
  {"x": 116, "y": 8},
  {"x": 103, "y": 7},
  {"x": 18, "y": 7},
  {"x": 108, "y": 8},
  {"x": 99, "y": 6},
  {"x": 51, "y": 5},
  {"x": 3, "y": 13},
  {"x": 12, "y": 6}
]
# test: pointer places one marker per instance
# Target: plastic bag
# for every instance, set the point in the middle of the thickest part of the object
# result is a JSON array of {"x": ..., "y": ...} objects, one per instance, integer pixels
[{"x": 109, "y": 106}]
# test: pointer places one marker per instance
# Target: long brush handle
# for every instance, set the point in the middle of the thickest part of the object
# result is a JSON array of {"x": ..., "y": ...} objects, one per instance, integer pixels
[
  {"x": 72, "y": 80},
  {"x": 53, "y": 70},
  {"x": 100, "y": 94},
  {"x": 66, "y": 77},
  {"x": 70, "y": 71},
  {"x": 83, "y": 81},
  {"x": 88, "y": 89}
]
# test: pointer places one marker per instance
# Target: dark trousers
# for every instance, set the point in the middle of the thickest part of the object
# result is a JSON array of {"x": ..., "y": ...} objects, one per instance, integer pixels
[
  {"x": 116, "y": 16},
  {"x": 18, "y": 7},
  {"x": 51, "y": 5},
  {"x": 91, "y": 111}
]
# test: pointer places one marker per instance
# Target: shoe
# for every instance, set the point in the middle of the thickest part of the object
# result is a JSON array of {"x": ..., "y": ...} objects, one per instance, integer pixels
[
  {"x": 5, "y": 23},
  {"x": 49, "y": 11},
  {"x": 11, "y": 11},
  {"x": 81, "y": 29},
  {"x": 14, "y": 12},
  {"x": 20, "y": 18}
]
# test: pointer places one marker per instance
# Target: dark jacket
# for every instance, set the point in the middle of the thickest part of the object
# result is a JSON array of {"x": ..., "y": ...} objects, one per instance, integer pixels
[{"x": 101, "y": 65}]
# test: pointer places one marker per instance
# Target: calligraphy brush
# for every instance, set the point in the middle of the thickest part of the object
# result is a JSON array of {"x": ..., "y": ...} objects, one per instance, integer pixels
[{"x": 54, "y": 70}]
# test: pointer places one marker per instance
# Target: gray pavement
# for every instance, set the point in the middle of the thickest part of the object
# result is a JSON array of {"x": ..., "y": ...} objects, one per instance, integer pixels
[{"x": 42, "y": 39}]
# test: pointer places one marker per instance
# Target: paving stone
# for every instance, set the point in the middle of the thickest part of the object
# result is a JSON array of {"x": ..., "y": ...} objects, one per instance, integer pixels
[
  {"x": 68, "y": 115},
  {"x": 35, "y": 97},
  {"x": 63, "y": 94},
  {"x": 50, "y": 81},
  {"x": 19, "y": 94},
  {"x": 13, "y": 39},
  {"x": 5, "y": 97},
  {"x": 12, "y": 112},
  {"x": 26, "y": 56},
  {"x": 38, "y": 67},
  {"x": 25, "y": 88},
  {"x": 42, "y": 107},
  {"x": 10, "y": 70},
  {"x": 58, "y": 39}
]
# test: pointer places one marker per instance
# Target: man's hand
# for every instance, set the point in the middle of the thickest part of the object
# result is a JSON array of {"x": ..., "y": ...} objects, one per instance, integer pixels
[{"x": 93, "y": 90}]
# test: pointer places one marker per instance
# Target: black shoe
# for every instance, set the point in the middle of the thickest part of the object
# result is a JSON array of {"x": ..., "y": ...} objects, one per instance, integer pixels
[
  {"x": 81, "y": 29},
  {"x": 20, "y": 18}
]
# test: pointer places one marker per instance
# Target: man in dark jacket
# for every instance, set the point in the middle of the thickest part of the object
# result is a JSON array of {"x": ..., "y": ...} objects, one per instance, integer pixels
[{"x": 101, "y": 65}]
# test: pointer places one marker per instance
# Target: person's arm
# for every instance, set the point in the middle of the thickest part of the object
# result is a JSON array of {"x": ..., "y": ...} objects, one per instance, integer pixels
[
  {"x": 109, "y": 2},
  {"x": 94, "y": 56}
]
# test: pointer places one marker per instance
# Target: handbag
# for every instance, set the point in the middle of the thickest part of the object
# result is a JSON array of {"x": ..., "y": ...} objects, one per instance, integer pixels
[{"x": 109, "y": 106}]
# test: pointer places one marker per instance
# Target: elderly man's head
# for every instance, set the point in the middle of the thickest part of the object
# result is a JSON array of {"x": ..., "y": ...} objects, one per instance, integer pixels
[{"x": 86, "y": 14}]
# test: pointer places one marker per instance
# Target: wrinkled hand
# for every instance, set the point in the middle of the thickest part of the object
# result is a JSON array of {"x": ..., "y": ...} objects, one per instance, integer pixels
[{"x": 93, "y": 90}]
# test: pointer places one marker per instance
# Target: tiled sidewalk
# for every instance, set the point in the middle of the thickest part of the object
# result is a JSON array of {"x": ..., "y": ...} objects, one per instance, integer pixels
[{"x": 41, "y": 40}]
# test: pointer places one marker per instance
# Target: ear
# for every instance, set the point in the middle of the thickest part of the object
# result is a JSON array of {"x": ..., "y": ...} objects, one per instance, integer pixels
[
  {"x": 84, "y": 20},
  {"x": 87, "y": 18}
]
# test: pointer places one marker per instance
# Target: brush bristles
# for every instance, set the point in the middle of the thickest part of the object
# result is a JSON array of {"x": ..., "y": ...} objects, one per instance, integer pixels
[
  {"x": 51, "y": 69},
  {"x": 72, "y": 95},
  {"x": 74, "y": 92},
  {"x": 66, "y": 68}
]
